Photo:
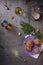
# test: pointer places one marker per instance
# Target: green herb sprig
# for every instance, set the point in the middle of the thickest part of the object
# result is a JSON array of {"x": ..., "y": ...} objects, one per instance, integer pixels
[{"x": 28, "y": 29}]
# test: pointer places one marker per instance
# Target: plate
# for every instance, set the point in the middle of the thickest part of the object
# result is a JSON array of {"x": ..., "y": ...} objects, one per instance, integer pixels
[{"x": 30, "y": 38}]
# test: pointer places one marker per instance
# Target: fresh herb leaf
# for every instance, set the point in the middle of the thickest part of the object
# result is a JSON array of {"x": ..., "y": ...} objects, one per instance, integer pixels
[{"x": 28, "y": 29}]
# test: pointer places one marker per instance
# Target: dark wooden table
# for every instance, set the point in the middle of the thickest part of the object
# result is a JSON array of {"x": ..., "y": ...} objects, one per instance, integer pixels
[{"x": 10, "y": 41}]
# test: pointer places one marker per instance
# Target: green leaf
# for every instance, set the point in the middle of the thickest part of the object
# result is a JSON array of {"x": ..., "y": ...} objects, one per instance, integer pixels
[
  {"x": 28, "y": 29},
  {"x": 38, "y": 35}
]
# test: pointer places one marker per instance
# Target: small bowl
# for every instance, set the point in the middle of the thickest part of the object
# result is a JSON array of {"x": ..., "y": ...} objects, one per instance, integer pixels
[
  {"x": 4, "y": 23},
  {"x": 18, "y": 10},
  {"x": 36, "y": 16}
]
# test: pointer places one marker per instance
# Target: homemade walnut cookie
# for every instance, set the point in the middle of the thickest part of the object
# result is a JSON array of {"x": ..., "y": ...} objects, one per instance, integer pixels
[
  {"x": 37, "y": 42},
  {"x": 28, "y": 48},
  {"x": 29, "y": 43},
  {"x": 36, "y": 51}
]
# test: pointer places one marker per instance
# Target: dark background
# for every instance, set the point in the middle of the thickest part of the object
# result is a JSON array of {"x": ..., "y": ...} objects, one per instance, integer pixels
[{"x": 10, "y": 41}]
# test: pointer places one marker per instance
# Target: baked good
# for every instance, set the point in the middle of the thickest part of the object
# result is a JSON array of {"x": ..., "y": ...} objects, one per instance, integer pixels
[
  {"x": 36, "y": 50},
  {"x": 29, "y": 43},
  {"x": 28, "y": 48},
  {"x": 37, "y": 42}
]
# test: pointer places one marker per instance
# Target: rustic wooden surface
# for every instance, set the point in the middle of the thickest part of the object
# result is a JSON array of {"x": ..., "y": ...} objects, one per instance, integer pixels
[{"x": 10, "y": 40}]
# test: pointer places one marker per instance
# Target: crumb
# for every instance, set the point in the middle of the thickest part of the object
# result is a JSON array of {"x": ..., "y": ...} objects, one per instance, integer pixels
[
  {"x": 19, "y": 33},
  {"x": 12, "y": 17}
]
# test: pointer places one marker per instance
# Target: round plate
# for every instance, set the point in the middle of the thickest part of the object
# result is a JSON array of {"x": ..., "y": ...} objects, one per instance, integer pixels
[{"x": 23, "y": 46}]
